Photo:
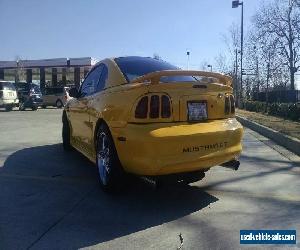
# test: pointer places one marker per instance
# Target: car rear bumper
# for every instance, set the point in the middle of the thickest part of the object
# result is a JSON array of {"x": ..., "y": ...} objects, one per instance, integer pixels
[
  {"x": 5, "y": 102},
  {"x": 167, "y": 148},
  {"x": 33, "y": 102}
]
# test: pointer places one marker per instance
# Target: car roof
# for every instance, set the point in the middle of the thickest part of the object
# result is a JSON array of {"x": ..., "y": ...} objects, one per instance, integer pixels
[{"x": 115, "y": 75}]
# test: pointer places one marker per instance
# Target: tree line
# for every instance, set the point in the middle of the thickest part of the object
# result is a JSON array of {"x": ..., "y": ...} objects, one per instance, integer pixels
[{"x": 271, "y": 55}]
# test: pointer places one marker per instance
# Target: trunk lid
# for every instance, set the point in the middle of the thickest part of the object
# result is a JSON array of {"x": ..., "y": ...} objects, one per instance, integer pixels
[{"x": 183, "y": 95}]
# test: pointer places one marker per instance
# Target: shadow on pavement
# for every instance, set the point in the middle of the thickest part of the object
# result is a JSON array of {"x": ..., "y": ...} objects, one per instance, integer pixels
[{"x": 51, "y": 199}]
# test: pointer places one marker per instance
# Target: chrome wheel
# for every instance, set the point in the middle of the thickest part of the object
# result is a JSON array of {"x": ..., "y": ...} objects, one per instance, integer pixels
[{"x": 103, "y": 157}]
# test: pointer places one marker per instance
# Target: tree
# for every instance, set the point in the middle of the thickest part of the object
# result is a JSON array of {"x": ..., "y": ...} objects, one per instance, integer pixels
[
  {"x": 280, "y": 21},
  {"x": 221, "y": 63},
  {"x": 232, "y": 41},
  {"x": 19, "y": 72}
]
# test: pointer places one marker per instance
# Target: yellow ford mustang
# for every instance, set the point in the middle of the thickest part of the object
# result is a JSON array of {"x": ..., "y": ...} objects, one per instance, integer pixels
[{"x": 146, "y": 117}]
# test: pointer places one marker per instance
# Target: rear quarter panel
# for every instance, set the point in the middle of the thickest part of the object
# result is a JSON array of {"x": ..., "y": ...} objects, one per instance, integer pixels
[{"x": 114, "y": 106}]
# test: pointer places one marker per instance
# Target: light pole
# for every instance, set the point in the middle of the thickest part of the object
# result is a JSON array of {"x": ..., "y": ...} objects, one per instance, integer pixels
[
  {"x": 236, "y": 75},
  {"x": 209, "y": 66},
  {"x": 188, "y": 58},
  {"x": 235, "y": 4}
]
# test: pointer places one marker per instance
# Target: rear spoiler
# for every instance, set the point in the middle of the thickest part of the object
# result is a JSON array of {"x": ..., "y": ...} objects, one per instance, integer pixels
[{"x": 154, "y": 77}]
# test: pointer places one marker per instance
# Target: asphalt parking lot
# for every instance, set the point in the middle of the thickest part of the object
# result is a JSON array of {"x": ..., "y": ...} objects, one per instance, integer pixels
[{"x": 50, "y": 199}]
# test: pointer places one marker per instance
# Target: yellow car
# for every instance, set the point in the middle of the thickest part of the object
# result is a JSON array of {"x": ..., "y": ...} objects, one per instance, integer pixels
[{"x": 146, "y": 117}]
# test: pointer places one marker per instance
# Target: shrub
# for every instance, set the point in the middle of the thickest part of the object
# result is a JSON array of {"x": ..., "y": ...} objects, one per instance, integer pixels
[
  {"x": 254, "y": 106},
  {"x": 284, "y": 110}
]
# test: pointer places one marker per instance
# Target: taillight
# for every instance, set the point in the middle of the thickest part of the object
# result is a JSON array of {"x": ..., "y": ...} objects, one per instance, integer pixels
[
  {"x": 159, "y": 107},
  {"x": 141, "y": 110},
  {"x": 165, "y": 107},
  {"x": 154, "y": 106},
  {"x": 232, "y": 105},
  {"x": 227, "y": 105}
]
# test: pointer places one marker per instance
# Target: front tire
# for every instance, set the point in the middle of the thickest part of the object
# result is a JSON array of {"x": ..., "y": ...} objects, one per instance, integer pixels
[
  {"x": 66, "y": 134},
  {"x": 110, "y": 172},
  {"x": 21, "y": 106}
]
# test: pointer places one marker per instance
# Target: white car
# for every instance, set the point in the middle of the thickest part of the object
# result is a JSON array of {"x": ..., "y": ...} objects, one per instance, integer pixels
[{"x": 8, "y": 95}]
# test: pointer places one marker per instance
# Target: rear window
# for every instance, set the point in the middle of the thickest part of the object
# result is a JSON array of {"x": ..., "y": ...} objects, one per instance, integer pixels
[
  {"x": 7, "y": 86},
  {"x": 134, "y": 66}
]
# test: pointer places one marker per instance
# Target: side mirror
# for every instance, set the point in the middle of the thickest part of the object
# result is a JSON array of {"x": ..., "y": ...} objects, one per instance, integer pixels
[{"x": 73, "y": 92}]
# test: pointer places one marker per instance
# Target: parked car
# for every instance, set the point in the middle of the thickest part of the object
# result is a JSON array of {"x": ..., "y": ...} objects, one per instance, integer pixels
[
  {"x": 8, "y": 95},
  {"x": 30, "y": 95},
  {"x": 146, "y": 117},
  {"x": 56, "y": 96}
]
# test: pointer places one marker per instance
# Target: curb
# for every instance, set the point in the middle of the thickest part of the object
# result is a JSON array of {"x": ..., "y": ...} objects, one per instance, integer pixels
[{"x": 292, "y": 144}]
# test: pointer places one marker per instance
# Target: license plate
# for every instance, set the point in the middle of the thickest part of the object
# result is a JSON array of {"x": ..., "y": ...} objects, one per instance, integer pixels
[{"x": 197, "y": 111}]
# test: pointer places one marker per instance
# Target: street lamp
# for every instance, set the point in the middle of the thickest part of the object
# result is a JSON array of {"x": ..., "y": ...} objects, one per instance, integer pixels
[
  {"x": 210, "y": 66},
  {"x": 235, "y": 4},
  {"x": 188, "y": 58}
]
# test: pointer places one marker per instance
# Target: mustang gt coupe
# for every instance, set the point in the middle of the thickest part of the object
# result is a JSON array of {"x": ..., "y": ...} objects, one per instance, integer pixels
[{"x": 144, "y": 116}]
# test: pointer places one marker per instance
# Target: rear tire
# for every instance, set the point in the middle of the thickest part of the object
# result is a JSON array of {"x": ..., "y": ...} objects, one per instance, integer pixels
[
  {"x": 44, "y": 106},
  {"x": 110, "y": 171},
  {"x": 66, "y": 133},
  {"x": 59, "y": 104}
]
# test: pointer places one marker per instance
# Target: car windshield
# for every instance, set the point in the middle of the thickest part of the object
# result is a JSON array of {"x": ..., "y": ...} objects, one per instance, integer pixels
[
  {"x": 7, "y": 86},
  {"x": 133, "y": 67}
]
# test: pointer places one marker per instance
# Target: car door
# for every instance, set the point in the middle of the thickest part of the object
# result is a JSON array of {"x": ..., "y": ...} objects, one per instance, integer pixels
[
  {"x": 95, "y": 103},
  {"x": 51, "y": 97},
  {"x": 46, "y": 95},
  {"x": 57, "y": 95},
  {"x": 78, "y": 111}
]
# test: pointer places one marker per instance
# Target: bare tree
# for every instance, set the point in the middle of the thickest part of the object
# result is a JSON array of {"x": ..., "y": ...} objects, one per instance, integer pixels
[
  {"x": 203, "y": 65},
  {"x": 19, "y": 72},
  {"x": 221, "y": 63},
  {"x": 280, "y": 20},
  {"x": 232, "y": 41}
]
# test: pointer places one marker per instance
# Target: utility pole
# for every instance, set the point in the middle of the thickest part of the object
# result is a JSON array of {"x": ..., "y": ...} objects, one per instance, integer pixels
[
  {"x": 236, "y": 74},
  {"x": 188, "y": 59},
  {"x": 235, "y": 4},
  {"x": 242, "y": 41}
]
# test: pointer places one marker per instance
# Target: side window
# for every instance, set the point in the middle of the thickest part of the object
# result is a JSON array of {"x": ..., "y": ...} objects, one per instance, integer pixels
[
  {"x": 89, "y": 85},
  {"x": 103, "y": 78}
]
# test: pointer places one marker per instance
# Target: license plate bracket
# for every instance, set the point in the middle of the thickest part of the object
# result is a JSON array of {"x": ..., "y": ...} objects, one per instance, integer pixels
[{"x": 197, "y": 110}]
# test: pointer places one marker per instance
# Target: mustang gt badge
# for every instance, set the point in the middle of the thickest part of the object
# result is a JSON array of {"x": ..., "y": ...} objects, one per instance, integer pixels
[{"x": 217, "y": 145}]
